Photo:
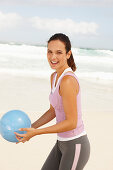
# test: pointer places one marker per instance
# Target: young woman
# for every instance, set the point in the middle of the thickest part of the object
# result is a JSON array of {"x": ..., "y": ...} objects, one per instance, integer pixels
[{"x": 72, "y": 148}]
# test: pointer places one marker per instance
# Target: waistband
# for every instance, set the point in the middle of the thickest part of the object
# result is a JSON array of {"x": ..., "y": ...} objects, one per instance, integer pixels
[{"x": 71, "y": 138}]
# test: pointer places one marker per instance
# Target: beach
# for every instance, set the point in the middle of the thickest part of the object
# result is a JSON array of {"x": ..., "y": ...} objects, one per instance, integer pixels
[{"x": 31, "y": 94}]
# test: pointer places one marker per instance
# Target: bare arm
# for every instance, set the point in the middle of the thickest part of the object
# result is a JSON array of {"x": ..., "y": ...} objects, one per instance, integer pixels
[{"x": 45, "y": 118}]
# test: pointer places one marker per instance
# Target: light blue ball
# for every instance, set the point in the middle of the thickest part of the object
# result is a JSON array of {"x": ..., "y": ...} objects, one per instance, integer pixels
[{"x": 11, "y": 122}]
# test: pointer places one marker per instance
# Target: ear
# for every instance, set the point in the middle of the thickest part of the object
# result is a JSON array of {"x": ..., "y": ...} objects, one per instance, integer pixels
[{"x": 68, "y": 54}]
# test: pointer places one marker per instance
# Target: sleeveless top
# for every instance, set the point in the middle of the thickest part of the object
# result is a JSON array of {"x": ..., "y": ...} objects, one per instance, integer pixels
[{"x": 56, "y": 101}]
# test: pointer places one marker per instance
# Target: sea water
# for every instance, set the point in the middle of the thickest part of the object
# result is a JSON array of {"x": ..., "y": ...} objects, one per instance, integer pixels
[{"x": 31, "y": 60}]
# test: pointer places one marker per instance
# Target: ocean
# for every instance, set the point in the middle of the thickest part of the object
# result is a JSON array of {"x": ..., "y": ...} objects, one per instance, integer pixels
[{"x": 31, "y": 60}]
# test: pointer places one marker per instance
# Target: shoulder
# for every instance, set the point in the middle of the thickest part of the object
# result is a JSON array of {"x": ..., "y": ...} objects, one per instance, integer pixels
[{"x": 69, "y": 82}]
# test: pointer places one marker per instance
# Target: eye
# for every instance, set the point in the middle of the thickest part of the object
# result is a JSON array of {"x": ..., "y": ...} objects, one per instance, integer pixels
[
  {"x": 59, "y": 52},
  {"x": 49, "y": 52}
]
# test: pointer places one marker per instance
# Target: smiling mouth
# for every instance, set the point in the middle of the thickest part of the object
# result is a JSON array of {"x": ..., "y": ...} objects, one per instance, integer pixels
[{"x": 52, "y": 62}]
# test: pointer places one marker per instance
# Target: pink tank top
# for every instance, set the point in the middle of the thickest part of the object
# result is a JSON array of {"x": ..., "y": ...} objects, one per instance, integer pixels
[{"x": 56, "y": 102}]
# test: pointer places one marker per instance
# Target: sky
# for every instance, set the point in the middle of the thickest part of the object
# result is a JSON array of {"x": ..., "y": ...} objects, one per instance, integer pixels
[{"x": 88, "y": 23}]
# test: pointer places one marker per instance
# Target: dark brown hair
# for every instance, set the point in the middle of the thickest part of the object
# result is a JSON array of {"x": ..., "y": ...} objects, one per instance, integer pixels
[{"x": 66, "y": 41}]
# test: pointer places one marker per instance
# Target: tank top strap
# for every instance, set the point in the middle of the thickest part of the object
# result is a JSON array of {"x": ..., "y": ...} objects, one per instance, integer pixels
[{"x": 54, "y": 77}]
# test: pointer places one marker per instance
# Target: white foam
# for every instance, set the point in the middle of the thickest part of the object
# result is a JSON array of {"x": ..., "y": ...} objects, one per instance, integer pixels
[
  {"x": 28, "y": 60},
  {"x": 96, "y": 75}
]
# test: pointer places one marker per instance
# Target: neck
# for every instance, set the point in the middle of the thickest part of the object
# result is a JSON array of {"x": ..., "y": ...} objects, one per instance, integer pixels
[{"x": 60, "y": 71}]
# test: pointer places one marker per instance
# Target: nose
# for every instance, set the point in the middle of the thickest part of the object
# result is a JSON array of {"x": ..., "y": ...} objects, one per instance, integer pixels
[{"x": 53, "y": 56}]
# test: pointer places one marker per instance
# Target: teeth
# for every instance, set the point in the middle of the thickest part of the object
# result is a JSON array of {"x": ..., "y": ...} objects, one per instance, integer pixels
[{"x": 53, "y": 62}]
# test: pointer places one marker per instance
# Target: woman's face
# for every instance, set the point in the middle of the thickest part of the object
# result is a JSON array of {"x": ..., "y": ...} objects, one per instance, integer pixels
[{"x": 56, "y": 54}]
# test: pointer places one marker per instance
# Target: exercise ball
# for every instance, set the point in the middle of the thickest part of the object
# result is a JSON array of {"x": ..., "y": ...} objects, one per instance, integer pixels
[{"x": 11, "y": 122}]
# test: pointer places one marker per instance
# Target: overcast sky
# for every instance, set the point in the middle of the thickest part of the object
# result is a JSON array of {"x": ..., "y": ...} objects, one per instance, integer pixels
[{"x": 88, "y": 23}]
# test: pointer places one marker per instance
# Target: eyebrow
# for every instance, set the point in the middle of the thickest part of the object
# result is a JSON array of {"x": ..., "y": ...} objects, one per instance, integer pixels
[
  {"x": 56, "y": 50},
  {"x": 59, "y": 50}
]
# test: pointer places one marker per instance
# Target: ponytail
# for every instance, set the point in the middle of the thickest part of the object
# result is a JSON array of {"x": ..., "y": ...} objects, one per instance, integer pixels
[{"x": 71, "y": 62}]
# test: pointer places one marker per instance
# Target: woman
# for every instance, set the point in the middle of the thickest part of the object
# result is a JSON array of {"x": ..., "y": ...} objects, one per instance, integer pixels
[{"x": 72, "y": 148}]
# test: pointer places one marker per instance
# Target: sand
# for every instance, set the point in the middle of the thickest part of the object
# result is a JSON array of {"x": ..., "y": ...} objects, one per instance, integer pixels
[{"x": 30, "y": 94}]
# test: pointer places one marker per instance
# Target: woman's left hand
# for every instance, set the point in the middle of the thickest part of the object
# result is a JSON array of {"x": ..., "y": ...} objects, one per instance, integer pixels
[{"x": 25, "y": 137}]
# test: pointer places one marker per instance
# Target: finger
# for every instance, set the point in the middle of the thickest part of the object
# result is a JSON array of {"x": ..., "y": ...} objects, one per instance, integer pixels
[
  {"x": 18, "y": 140},
  {"x": 23, "y": 140},
  {"x": 17, "y": 134},
  {"x": 24, "y": 129}
]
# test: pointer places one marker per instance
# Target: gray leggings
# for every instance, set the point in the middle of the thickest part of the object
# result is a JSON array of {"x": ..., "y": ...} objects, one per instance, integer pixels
[{"x": 68, "y": 155}]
